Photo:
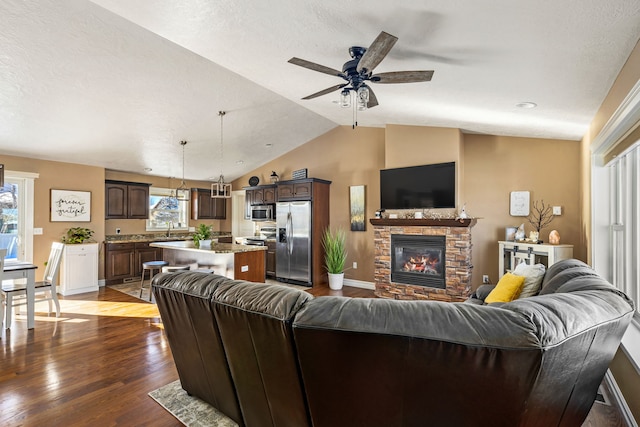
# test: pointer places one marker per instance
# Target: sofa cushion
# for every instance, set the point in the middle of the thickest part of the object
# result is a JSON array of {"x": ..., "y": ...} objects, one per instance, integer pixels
[
  {"x": 533, "y": 275},
  {"x": 560, "y": 266},
  {"x": 508, "y": 288},
  {"x": 551, "y": 286}
]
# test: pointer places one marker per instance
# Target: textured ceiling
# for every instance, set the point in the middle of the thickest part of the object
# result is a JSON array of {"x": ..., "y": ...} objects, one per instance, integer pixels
[{"x": 118, "y": 83}]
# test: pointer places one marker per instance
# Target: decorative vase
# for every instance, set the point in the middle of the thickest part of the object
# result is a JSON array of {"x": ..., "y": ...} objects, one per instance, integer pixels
[{"x": 335, "y": 281}]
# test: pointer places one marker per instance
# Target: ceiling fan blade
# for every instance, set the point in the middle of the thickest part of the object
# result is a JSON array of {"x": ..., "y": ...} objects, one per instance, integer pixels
[
  {"x": 403, "y": 77},
  {"x": 326, "y": 91},
  {"x": 373, "y": 101},
  {"x": 316, "y": 67},
  {"x": 376, "y": 52}
]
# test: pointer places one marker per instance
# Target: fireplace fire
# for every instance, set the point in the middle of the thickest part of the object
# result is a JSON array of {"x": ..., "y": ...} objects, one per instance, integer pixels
[{"x": 418, "y": 260}]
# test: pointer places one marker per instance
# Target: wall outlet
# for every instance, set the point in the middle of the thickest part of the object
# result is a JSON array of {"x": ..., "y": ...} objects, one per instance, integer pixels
[
  {"x": 355, "y": 265},
  {"x": 244, "y": 268},
  {"x": 117, "y": 231},
  {"x": 557, "y": 210},
  {"x": 485, "y": 279}
]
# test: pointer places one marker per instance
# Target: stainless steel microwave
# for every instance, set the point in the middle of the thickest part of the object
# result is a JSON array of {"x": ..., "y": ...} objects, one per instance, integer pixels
[{"x": 263, "y": 213}]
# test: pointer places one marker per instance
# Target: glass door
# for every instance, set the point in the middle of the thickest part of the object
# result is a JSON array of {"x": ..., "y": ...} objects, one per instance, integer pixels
[{"x": 10, "y": 202}]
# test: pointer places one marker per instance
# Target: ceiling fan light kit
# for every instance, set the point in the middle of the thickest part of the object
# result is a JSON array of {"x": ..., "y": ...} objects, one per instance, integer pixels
[{"x": 358, "y": 71}]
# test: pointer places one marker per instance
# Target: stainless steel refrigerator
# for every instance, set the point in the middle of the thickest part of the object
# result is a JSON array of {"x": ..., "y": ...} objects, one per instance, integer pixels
[{"x": 293, "y": 242}]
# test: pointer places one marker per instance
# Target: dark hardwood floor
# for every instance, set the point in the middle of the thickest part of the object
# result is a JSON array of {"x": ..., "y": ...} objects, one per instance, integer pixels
[{"x": 96, "y": 363}]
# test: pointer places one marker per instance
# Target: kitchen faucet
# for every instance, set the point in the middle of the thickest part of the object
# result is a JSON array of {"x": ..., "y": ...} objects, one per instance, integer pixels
[{"x": 169, "y": 229}]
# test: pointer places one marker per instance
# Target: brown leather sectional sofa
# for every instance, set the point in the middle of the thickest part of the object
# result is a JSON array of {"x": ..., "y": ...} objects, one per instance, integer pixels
[{"x": 270, "y": 355}]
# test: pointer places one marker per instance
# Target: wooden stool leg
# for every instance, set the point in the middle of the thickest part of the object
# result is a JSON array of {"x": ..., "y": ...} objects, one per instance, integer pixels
[{"x": 142, "y": 282}]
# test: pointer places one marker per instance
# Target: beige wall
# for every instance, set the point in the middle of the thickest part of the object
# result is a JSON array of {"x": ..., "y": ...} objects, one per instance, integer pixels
[
  {"x": 345, "y": 157},
  {"x": 490, "y": 167},
  {"x": 59, "y": 176},
  {"x": 497, "y": 165}
]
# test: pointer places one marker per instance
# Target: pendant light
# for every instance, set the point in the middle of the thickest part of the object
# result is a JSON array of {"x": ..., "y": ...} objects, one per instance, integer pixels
[
  {"x": 182, "y": 191},
  {"x": 220, "y": 189}
]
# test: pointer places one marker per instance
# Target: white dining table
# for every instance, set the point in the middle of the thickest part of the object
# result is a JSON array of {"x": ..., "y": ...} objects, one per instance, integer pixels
[{"x": 24, "y": 270}]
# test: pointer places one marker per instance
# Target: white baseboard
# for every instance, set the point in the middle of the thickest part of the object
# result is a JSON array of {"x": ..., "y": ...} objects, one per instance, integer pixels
[
  {"x": 620, "y": 401},
  {"x": 359, "y": 284},
  {"x": 102, "y": 283}
]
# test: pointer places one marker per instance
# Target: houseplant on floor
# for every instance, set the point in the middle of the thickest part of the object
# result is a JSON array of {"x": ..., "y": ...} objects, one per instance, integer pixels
[
  {"x": 335, "y": 256},
  {"x": 202, "y": 236}
]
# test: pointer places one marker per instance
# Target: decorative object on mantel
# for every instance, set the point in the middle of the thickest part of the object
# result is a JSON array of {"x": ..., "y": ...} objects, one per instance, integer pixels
[
  {"x": 510, "y": 234},
  {"x": 540, "y": 217},
  {"x": 274, "y": 177},
  {"x": 299, "y": 174},
  {"x": 254, "y": 180},
  {"x": 335, "y": 256},
  {"x": 357, "y": 207},
  {"x": 463, "y": 212},
  {"x": 418, "y": 215},
  {"x": 220, "y": 189},
  {"x": 554, "y": 237},
  {"x": 424, "y": 222},
  {"x": 76, "y": 235},
  {"x": 182, "y": 191}
]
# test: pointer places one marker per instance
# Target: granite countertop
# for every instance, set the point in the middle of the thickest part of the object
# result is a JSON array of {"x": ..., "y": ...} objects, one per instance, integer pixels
[
  {"x": 216, "y": 248},
  {"x": 157, "y": 237}
]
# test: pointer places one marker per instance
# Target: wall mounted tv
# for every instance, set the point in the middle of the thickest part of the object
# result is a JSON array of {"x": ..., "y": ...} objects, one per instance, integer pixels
[{"x": 419, "y": 187}]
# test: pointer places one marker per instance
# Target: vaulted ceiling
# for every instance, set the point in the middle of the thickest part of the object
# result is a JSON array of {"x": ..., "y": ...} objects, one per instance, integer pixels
[{"x": 119, "y": 83}]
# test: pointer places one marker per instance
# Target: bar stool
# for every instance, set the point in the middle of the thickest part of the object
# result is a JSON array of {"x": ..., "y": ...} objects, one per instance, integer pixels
[
  {"x": 150, "y": 266},
  {"x": 174, "y": 268}
]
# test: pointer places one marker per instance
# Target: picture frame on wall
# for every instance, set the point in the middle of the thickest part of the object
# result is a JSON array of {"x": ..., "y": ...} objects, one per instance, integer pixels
[
  {"x": 357, "y": 207},
  {"x": 70, "y": 206}
]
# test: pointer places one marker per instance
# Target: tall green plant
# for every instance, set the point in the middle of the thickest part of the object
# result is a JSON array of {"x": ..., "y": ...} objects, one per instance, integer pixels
[
  {"x": 203, "y": 232},
  {"x": 335, "y": 252}
]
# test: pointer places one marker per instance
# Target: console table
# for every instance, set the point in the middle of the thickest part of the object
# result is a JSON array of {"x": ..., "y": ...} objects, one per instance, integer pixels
[{"x": 513, "y": 253}]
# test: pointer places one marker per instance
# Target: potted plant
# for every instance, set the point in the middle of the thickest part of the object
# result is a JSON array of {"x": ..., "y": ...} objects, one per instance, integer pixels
[
  {"x": 335, "y": 256},
  {"x": 77, "y": 235},
  {"x": 202, "y": 236}
]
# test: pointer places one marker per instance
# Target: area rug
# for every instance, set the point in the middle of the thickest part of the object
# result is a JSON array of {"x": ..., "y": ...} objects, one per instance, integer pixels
[{"x": 189, "y": 410}]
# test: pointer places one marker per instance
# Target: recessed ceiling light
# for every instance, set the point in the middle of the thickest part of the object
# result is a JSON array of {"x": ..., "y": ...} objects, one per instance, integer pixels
[
  {"x": 148, "y": 169},
  {"x": 268, "y": 145},
  {"x": 239, "y": 162},
  {"x": 526, "y": 104}
]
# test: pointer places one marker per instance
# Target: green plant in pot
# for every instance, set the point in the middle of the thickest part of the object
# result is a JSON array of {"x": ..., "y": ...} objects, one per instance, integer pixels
[
  {"x": 335, "y": 256},
  {"x": 202, "y": 235},
  {"x": 77, "y": 235}
]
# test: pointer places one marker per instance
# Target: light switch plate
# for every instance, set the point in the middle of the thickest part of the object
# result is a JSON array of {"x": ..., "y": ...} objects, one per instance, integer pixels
[
  {"x": 37, "y": 231},
  {"x": 557, "y": 210}
]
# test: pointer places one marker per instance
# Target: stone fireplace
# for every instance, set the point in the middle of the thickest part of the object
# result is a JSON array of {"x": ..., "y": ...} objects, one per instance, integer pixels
[{"x": 426, "y": 259}]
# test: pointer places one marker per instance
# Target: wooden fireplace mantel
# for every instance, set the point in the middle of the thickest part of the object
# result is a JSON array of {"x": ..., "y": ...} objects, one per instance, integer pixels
[{"x": 424, "y": 222}]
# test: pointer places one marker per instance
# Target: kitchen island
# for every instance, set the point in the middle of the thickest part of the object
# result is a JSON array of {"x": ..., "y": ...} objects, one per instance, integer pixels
[{"x": 242, "y": 262}]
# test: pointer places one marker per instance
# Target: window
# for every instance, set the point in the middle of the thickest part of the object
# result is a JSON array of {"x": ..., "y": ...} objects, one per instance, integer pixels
[
  {"x": 624, "y": 218},
  {"x": 16, "y": 215},
  {"x": 166, "y": 212}
]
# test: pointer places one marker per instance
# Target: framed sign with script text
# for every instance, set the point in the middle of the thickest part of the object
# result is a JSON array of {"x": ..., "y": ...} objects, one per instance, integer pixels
[{"x": 70, "y": 206}]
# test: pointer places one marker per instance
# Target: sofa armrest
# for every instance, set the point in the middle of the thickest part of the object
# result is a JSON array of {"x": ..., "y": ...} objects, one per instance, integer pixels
[{"x": 482, "y": 292}]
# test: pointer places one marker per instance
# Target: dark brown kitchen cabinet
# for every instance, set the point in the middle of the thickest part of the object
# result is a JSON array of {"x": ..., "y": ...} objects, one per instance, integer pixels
[
  {"x": 126, "y": 200},
  {"x": 271, "y": 259},
  {"x": 302, "y": 190},
  {"x": 203, "y": 206},
  {"x": 124, "y": 260},
  {"x": 119, "y": 262}
]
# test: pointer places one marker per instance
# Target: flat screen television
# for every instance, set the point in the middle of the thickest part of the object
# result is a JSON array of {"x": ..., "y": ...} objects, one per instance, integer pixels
[{"x": 419, "y": 187}]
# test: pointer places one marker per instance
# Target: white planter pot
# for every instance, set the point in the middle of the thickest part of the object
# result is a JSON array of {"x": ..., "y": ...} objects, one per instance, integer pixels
[
  {"x": 205, "y": 244},
  {"x": 335, "y": 281}
]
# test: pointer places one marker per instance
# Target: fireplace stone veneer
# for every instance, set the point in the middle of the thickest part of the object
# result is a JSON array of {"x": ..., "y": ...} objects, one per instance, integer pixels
[{"x": 458, "y": 267}]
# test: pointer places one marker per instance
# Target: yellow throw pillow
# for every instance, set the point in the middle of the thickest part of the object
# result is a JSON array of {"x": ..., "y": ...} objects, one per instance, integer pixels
[{"x": 507, "y": 289}]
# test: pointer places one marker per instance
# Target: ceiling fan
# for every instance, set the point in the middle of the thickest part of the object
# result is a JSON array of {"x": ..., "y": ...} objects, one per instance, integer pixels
[{"x": 359, "y": 70}]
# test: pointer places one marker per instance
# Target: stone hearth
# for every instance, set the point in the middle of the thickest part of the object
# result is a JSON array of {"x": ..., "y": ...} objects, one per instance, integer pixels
[{"x": 458, "y": 265}]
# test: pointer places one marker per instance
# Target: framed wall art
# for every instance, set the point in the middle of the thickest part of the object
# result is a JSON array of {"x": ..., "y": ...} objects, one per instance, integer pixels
[
  {"x": 70, "y": 206},
  {"x": 356, "y": 207},
  {"x": 519, "y": 203}
]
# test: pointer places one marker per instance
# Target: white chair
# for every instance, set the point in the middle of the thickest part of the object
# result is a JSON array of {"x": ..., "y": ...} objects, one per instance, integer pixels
[{"x": 15, "y": 294}]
